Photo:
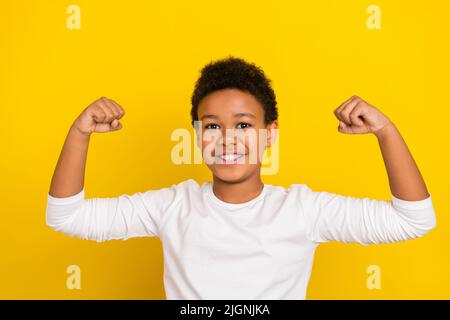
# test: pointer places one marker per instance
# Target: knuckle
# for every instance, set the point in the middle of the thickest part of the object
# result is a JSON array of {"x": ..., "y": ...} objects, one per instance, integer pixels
[{"x": 102, "y": 114}]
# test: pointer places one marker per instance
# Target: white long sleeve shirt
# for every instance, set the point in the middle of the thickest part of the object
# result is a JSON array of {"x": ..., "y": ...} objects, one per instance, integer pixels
[{"x": 260, "y": 249}]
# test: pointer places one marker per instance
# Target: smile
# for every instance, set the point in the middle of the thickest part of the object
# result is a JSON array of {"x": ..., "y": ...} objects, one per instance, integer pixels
[{"x": 230, "y": 158}]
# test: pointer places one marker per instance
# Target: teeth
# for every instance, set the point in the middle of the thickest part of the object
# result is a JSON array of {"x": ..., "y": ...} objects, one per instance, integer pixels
[{"x": 230, "y": 157}]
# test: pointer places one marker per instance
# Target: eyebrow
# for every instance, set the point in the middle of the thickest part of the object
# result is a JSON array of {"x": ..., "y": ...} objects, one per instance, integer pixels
[{"x": 240, "y": 115}]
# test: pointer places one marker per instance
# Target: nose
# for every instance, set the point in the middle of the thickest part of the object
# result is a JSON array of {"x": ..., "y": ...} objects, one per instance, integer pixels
[{"x": 227, "y": 140}]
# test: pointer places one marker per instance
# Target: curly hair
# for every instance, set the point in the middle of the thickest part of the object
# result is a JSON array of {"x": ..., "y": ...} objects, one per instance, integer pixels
[{"x": 232, "y": 72}]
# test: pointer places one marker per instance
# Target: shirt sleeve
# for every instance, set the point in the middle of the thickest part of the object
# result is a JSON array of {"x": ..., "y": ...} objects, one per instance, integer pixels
[
  {"x": 102, "y": 219},
  {"x": 334, "y": 217}
]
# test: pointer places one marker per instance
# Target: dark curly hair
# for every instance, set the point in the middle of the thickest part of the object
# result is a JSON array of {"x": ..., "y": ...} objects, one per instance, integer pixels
[{"x": 232, "y": 72}]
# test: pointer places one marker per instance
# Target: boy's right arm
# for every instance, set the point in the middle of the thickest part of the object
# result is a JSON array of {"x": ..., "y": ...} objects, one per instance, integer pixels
[
  {"x": 101, "y": 116},
  {"x": 98, "y": 219}
]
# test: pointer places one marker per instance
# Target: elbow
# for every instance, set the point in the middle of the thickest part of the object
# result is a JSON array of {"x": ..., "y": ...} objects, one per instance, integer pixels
[
  {"x": 60, "y": 219},
  {"x": 425, "y": 226},
  {"x": 56, "y": 222},
  {"x": 417, "y": 218},
  {"x": 432, "y": 223},
  {"x": 73, "y": 221},
  {"x": 52, "y": 219},
  {"x": 61, "y": 213}
]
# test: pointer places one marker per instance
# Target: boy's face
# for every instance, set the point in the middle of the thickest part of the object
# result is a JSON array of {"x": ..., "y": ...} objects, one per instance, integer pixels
[{"x": 234, "y": 134}]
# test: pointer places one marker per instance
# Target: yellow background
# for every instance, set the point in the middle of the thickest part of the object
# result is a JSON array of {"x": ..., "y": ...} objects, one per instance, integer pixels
[{"x": 147, "y": 55}]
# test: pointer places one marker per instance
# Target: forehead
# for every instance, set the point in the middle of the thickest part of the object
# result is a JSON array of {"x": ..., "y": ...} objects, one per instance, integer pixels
[{"x": 223, "y": 103}]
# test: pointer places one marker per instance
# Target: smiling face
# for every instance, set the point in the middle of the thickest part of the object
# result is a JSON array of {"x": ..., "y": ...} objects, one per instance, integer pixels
[{"x": 233, "y": 139}]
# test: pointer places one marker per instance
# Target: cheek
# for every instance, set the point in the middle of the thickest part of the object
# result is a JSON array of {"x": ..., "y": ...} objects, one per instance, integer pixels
[
  {"x": 209, "y": 140},
  {"x": 251, "y": 142},
  {"x": 208, "y": 145},
  {"x": 209, "y": 150}
]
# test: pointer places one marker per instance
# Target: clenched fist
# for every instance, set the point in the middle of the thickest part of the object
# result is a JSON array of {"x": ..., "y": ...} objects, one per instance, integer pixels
[
  {"x": 102, "y": 115},
  {"x": 356, "y": 116}
]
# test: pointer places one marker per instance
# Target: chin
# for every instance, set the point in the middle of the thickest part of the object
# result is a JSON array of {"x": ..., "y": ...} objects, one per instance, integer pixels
[{"x": 231, "y": 174}]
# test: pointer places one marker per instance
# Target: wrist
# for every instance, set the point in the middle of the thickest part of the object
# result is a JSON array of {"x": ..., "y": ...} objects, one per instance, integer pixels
[
  {"x": 75, "y": 130},
  {"x": 386, "y": 131}
]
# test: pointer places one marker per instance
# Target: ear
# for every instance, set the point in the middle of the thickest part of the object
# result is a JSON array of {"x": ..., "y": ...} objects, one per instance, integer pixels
[{"x": 272, "y": 129}]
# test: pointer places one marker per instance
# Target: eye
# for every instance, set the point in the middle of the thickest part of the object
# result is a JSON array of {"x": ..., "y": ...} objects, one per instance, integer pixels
[
  {"x": 243, "y": 125},
  {"x": 211, "y": 126}
]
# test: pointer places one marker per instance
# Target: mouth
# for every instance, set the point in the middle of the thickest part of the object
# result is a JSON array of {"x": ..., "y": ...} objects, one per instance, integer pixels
[{"x": 230, "y": 158}]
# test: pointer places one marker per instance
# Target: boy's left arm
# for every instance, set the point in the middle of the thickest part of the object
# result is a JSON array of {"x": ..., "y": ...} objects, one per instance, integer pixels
[
  {"x": 410, "y": 214},
  {"x": 356, "y": 116}
]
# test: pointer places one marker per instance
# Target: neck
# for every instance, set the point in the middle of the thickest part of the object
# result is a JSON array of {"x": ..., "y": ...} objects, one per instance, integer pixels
[{"x": 238, "y": 192}]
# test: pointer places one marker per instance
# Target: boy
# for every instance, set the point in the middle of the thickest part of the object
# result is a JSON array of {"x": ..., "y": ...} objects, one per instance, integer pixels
[{"x": 238, "y": 238}]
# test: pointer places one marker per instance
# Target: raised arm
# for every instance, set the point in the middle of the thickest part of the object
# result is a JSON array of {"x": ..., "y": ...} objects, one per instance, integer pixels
[
  {"x": 101, "y": 116},
  {"x": 358, "y": 117},
  {"x": 100, "y": 219},
  {"x": 409, "y": 214}
]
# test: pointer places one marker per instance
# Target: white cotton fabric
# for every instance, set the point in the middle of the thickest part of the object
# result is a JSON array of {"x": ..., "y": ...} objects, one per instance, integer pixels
[{"x": 260, "y": 249}]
